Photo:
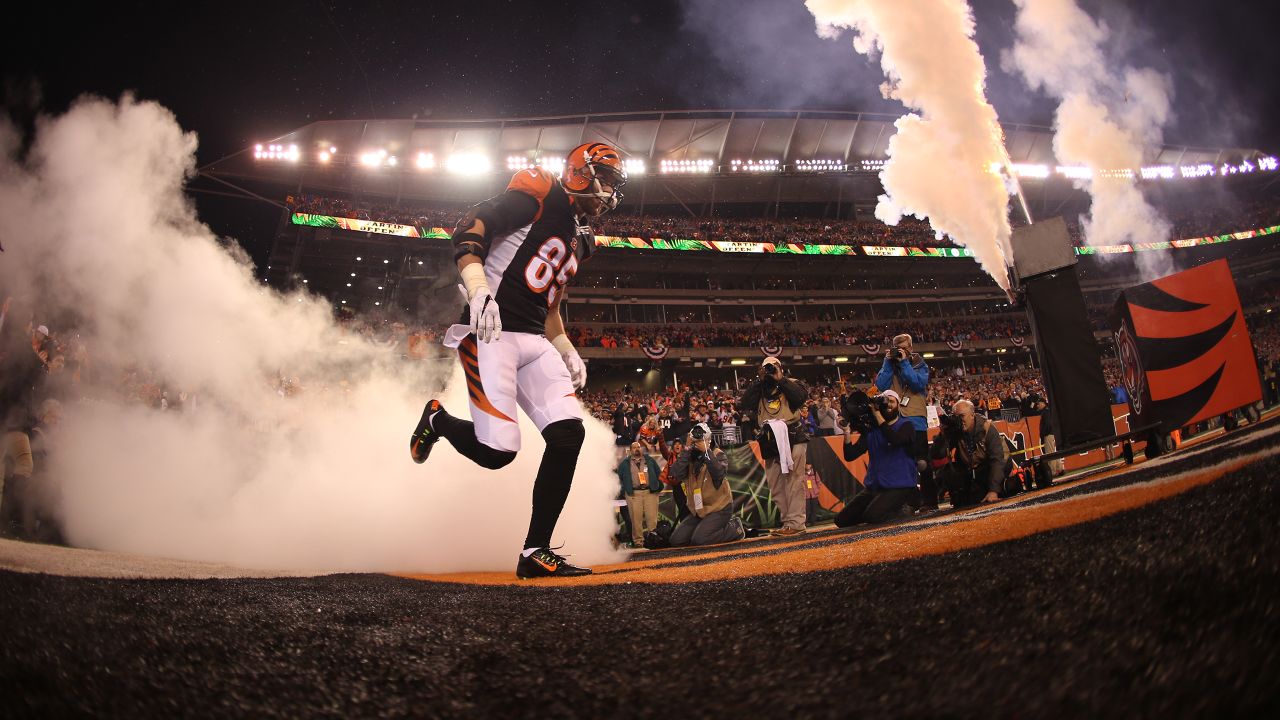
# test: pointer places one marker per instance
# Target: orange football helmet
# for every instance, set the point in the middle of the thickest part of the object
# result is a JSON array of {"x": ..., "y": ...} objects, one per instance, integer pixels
[{"x": 591, "y": 166}]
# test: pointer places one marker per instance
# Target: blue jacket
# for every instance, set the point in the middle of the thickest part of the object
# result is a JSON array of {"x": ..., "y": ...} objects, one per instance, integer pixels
[
  {"x": 914, "y": 377},
  {"x": 624, "y": 474},
  {"x": 891, "y": 465},
  {"x": 810, "y": 424}
]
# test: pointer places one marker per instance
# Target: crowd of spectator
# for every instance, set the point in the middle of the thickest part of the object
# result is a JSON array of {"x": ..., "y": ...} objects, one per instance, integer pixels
[
  {"x": 399, "y": 214},
  {"x": 768, "y": 334},
  {"x": 908, "y": 233},
  {"x": 1188, "y": 220}
]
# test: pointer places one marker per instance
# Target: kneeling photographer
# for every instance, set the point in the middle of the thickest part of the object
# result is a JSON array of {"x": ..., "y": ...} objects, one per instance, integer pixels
[
  {"x": 887, "y": 437},
  {"x": 701, "y": 471},
  {"x": 775, "y": 401},
  {"x": 973, "y": 457}
]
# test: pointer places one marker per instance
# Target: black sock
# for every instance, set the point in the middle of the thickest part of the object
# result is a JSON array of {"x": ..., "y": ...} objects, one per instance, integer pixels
[
  {"x": 462, "y": 435},
  {"x": 555, "y": 476}
]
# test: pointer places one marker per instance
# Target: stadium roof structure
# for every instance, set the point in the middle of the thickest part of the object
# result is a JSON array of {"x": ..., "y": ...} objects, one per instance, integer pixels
[{"x": 676, "y": 157}]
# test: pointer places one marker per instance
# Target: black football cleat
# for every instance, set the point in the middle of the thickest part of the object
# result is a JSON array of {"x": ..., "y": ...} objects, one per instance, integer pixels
[
  {"x": 544, "y": 563},
  {"x": 423, "y": 436}
]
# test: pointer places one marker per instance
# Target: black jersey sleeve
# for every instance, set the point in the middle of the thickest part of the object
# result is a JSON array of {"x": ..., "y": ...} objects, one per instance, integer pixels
[{"x": 500, "y": 215}]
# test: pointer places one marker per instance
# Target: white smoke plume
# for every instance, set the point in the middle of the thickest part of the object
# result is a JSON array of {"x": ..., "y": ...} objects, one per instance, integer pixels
[
  {"x": 98, "y": 232},
  {"x": 940, "y": 160},
  {"x": 1109, "y": 118}
]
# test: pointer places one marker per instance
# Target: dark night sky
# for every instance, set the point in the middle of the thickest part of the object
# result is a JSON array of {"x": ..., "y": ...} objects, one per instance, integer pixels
[{"x": 237, "y": 72}]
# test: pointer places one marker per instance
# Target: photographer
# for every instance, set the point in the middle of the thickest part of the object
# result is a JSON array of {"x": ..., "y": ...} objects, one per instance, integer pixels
[
  {"x": 1035, "y": 406},
  {"x": 891, "y": 469},
  {"x": 774, "y": 401},
  {"x": 701, "y": 471},
  {"x": 827, "y": 418},
  {"x": 906, "y": 373},
  {"x": 973, "y": 456},
  {"x": 677, "y": 491},
  {"x": 624, "y": 428}
]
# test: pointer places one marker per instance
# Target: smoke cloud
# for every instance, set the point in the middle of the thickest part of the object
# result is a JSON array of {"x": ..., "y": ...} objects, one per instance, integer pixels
[
  {"x": 99, "y": 235},
  {"x": 940, "y": 159},
  {"x": 1108, "y": 118}
]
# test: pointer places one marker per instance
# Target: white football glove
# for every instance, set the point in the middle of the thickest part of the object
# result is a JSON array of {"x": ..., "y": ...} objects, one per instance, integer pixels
[
  {"x": 572, "y": 360},
  {"x": 486, "y": 322},
  {"x": 577, "y": 369}
]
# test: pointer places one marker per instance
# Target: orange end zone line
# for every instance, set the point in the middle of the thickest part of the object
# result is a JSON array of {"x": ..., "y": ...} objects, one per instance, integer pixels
[{"x": 934, "y": 540}]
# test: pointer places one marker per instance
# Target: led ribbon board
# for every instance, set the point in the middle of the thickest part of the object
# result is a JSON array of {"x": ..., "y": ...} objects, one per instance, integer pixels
[{"x": 372, "y": 226}]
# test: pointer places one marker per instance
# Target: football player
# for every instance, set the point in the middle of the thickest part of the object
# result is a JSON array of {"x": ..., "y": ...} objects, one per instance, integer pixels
[{"x": 516, "y": 253}]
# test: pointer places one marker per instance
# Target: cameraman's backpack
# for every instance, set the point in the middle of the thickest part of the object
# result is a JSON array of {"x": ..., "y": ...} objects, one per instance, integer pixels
[
  {"x": 768, "y": 443},
  {"x": 660, "y": 537}
]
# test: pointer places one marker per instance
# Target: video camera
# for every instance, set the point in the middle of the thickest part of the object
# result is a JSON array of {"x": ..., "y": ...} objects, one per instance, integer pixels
[{"x": 857, "y": 410}]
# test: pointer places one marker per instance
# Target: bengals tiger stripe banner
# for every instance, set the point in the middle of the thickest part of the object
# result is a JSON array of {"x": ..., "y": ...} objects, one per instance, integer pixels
[{"x": 1184, "y": 349}]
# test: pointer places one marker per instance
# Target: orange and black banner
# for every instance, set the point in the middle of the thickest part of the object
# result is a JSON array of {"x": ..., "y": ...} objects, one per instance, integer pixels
[{"x": 1184, "y": 349}]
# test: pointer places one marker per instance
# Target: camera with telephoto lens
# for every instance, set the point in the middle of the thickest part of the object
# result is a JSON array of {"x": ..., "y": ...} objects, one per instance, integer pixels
[
  {"x": 952, "y": 425},
  {"x": 698, "y": 456}
]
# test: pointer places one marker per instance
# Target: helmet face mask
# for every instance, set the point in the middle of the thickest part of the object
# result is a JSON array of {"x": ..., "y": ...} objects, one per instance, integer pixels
[{"x": 589, "y": 170}]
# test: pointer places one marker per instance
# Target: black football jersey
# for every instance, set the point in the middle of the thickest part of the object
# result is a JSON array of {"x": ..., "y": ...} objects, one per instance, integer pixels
[{"x": 533, "y": 248}]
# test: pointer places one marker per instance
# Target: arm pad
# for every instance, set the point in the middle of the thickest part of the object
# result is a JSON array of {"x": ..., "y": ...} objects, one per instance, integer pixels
[
  {"x": 474, "y": 280},
  {"x": 562, "y": 344}
]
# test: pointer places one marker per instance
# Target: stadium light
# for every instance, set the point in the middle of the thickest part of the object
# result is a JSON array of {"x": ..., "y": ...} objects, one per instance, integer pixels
[
  {"x": 1023, "y": 170},
  {"x": 1161, "y": 172},
  {"x": 1268, "y": 164},
  {"x": 753, "y": 166},
  {"x": 374, "y": 158},
  {"x": 635, "y": 166},
  {"x": 673, "y": 167},
  {"x": 348, "y": 284},
  {"x": 276, "y": 152},
  {"x": 820, "y": 165},
  {"x": 358, "y": 258},
  {"x": 467, "y": 164},
  {"x": 737, "y": 362},
  {"x": 842, "y": 359},
  {"x": 392, "y": 161},
  {"x": 872, "y": 164},
  {"x": 552, "y": 163},
  {"x": 325, "y": 156},
  {"x": 1074, "y": 172},
  {"x": 425, "y": 161},
  {"x": 384, "y": 262}
]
